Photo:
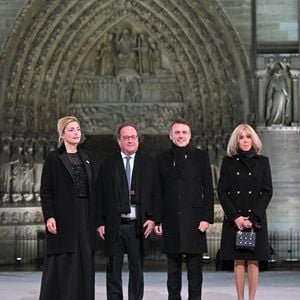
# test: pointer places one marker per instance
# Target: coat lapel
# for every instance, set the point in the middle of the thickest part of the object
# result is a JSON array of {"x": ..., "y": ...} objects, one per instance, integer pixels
[
  {"x": 87, "y": 165},
  {"x": 65, "y": 160},
  {"x": 136, "y": 176}
]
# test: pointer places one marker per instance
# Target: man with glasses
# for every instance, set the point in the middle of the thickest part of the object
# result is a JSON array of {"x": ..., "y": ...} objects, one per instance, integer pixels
[{"x": 127, "y": 189}]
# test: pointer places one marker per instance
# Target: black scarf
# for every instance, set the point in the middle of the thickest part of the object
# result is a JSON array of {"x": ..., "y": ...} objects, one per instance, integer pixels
[
  {"x": 247, "y": 157},
  {"x": 180, "y": 155}
]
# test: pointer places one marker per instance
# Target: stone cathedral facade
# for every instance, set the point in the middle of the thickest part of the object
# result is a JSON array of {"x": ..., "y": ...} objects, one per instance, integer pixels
[{"x": 143, "y": 61}]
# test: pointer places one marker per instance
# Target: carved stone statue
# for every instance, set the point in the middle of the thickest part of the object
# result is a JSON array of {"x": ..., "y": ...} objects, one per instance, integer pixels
[
  {"x": 106, "y": 56},
  {"x": 5, "y": 166},
  {"x": 127, "y": 50},
  {"x": 144, "y": 54},
  {"x": 278, "y": 100}
]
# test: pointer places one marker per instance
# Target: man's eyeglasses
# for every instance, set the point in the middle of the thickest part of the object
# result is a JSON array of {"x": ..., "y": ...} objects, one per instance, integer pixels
[{"x": 128, "y": 137}]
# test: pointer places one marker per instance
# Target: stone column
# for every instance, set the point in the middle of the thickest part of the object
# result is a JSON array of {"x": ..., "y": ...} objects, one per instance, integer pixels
[
  {"x": 281, "y": 145},
  {"x": 295, "y": 97},
  {"x": 261, "y": 95}
]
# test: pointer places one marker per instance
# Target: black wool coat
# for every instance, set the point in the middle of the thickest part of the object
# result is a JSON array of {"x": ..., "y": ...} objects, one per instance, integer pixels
[
  {"x": 58, "y": 200},
  {"x": 244, "y": 189},
  {"x": 111, "y": 182},
  {"x": 185, "y": 201}
]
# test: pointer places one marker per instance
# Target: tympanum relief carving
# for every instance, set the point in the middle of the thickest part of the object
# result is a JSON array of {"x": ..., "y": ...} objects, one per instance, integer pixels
[{"x": 127, "y": 77}]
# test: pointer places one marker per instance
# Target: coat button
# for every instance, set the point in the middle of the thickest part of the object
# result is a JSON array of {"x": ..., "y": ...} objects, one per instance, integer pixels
[
  {"x": 179, "y": 213},
  {"x": 250, "y": 173},
  {"x": 237, "y": 158},
  {"x": 249, "y": 210},
  {"x": 250, "y": 192},
  {"x": 237, "y": 173},
  {"x": 238, "y": 192}
]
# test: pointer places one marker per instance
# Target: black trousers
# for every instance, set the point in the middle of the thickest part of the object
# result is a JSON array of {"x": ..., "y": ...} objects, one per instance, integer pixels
[
  {"x": 194, "y": 275},
  {"x": 127, "y": 242}
]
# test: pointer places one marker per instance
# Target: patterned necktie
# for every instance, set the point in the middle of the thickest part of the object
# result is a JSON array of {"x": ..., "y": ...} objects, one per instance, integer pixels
[{"x": 128, "y": 171}]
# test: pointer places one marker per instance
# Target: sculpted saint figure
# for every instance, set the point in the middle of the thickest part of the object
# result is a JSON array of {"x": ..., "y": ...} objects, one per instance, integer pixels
[{"x": 277, "y": 111}]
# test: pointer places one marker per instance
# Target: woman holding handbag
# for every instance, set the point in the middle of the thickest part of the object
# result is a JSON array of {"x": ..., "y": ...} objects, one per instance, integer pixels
[{"x": 245, "y": 190}]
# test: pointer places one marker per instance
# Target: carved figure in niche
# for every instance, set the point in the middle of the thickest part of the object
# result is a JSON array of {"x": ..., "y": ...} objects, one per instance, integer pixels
[
  {"x": 28, "y": 170},
  {"x": 106, "y": 55},
  {"x": 15, "y": 218},
  {"x": 39, "y": 147},
  {"x": 37, "y": 217},
  {"x": 133, "y": 90},
  {"x": 17, "y": 162},
  {"x": 122, "y": 82},
  {"x": 156, "y": 60},
  {"x": 26, "y": 217},
  {"x": 144, "y": 54},
  {"x": 278, "y": 101},
  {"x": 4, "y": 218},
  {"x": 5, "y": 166},
  {"x": 127, "y": 50}
]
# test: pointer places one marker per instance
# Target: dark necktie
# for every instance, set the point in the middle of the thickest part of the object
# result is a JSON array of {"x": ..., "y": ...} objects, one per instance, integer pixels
[{"x": 128, "y": 171}]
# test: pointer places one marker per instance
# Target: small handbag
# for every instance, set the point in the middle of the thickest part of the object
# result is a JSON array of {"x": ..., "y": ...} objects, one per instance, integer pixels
[{"x": 245, "y": 239}]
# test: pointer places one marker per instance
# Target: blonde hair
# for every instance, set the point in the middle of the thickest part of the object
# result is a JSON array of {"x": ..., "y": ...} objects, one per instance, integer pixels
[
  {"x": 61, "y": 125},
  {"x": 232, "y": 146}
]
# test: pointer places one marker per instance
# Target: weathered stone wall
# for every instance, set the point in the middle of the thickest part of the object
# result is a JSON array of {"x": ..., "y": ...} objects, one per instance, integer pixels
[
  {"x": 8, "y": 12},
  {"x": 240, "y": 15}
]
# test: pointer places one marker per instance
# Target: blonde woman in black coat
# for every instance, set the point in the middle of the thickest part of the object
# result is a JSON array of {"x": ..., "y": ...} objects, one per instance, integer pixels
[
  {"x": 67, "y": 198},
  {"x": 245, "y": 190}
]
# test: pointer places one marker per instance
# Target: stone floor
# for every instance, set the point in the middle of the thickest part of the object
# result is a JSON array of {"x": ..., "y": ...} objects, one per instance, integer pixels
[{"x": 273, "y": 285}]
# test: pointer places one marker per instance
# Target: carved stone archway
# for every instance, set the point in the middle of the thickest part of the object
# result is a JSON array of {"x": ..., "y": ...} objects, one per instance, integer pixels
[{"x": 52, "y": 43}]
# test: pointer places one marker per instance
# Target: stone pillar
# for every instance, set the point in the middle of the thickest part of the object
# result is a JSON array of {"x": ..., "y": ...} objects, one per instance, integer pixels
[
  {"x": 282, "y": 145},
  {"x": 295, "y": 97},
  {"x": 261, "y": 95}
]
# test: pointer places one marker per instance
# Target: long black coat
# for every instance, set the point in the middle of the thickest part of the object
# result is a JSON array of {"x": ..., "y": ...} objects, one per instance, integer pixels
[
  {"x": 110, "y": 181},
  {"x": 185, "y": 201},
  {"x": 244, "y": 190},
  {"x": 58, "y": 199}
]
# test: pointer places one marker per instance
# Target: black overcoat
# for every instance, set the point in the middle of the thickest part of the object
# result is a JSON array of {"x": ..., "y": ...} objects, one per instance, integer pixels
[
  {"x": 110, "y": 181},
  {"x": 186, "y": 200},
  {"x": 58, "y": 199},
  {"x": 244, "y": 189}
]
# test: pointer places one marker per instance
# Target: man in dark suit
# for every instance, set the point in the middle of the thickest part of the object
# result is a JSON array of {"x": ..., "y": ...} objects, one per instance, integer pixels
[
  {"x": 128, "y": 191},
  {"x": 186, "y": 207}
]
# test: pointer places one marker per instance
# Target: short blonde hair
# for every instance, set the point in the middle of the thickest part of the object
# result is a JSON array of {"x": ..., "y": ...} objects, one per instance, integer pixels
[
  {"x": 232, "y": 146},
  {"x": 61, "y": 125}
]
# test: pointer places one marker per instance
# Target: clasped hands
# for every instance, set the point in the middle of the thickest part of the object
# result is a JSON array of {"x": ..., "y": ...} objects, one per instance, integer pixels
[{"x": 242, "y": 222}]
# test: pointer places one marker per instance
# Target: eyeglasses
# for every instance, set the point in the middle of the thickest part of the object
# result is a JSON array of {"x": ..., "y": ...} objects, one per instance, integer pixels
[{"x": 128, "y": 137}]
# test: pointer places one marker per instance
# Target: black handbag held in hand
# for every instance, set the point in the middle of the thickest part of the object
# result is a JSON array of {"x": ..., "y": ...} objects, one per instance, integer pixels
[{"x": 245, "y": 239}]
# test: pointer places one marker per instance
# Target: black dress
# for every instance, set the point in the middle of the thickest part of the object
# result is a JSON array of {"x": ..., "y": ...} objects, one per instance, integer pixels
[{"x": 71, "y": 276}]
